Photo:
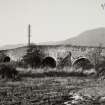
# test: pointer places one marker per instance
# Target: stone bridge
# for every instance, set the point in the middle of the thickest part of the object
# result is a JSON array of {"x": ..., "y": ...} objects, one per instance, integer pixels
[
  {"x": 56, "y": 52},
  {"x": 76, "y": 52}
]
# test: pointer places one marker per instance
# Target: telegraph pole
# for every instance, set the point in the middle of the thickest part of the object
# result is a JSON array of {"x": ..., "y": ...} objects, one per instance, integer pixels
[{"x": 29, "y": 34}]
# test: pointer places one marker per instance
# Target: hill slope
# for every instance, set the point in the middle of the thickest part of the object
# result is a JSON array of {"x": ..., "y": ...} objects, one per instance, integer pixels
[
  {"x": 11, "y": 46},
  {"x": 93, "y": 37}
]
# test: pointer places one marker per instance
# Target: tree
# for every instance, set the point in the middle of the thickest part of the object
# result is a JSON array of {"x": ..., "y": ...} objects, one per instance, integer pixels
[
  {"x": 9, "y": 71},
  {"x": 64, "y": 62},
  {"x": 33, "y": 56}
]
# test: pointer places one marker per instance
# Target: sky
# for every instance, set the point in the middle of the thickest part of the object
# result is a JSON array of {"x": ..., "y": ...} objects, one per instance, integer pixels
[{"x": 50, "y": 20}]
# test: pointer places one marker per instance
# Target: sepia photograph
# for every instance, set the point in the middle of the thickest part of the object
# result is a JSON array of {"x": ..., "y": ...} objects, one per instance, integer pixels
[{"x": 52, "y": 52}]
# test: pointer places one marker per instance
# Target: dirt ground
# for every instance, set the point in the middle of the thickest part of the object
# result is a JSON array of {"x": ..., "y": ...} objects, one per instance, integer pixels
[{"x": 52, "y": 91}]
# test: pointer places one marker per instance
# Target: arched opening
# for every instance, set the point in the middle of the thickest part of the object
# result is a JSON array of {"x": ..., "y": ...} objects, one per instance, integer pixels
[
  {"x": 6, "y": 59},
  {"x": 49, "y": 62},
  {"x": 83, "y": 63}
]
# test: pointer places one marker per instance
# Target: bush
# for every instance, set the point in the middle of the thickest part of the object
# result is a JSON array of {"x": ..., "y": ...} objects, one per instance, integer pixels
[
  {"x": 8, "y": 71},
  {"x": 33, "y": 57},
  {"x": 20, "y": 64},
  {"x": 64, "y": 62}
]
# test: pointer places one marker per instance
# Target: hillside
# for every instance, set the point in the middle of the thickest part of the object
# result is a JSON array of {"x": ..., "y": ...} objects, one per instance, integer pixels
[
  {"x": 11, "y": 46},
  {"x": 93, "y": 37}
]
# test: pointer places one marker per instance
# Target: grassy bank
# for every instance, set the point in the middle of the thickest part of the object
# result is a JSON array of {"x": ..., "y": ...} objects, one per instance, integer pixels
[{"x": 65, "y": 72}]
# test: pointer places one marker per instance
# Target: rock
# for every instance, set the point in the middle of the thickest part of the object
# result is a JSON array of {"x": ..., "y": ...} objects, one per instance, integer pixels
[
  {"x": 77, "y": 97},
  {"x": 102, "y": 99}
]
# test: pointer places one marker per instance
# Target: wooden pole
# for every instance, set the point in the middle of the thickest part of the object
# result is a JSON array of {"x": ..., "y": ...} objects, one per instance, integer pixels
[{"x": 29, "y": 31}]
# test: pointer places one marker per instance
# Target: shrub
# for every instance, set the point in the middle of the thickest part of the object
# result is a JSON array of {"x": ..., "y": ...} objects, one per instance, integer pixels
[
  {"x": 33, "y": 57},
  {"x": 20, "y": 64},
  {"x": 8, "y": 71},
  {"x": 64, "y": 62}
]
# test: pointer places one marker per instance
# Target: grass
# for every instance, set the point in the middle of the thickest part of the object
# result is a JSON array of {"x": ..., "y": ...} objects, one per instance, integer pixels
[
  {"x": 44, "y": 91},
  {"x": 37, "y": 91},
  {"x": 50, "y": 89},
  {"x": 65, "y": 72}
]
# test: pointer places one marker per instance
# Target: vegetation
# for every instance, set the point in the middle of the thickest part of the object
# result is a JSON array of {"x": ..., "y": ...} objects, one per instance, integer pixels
[
  {"x": 64, "y": 62},
  {"x": 8, "y": 71},
  {"x": 52, "y": 91},
  {"x": 33, "y": 57}
]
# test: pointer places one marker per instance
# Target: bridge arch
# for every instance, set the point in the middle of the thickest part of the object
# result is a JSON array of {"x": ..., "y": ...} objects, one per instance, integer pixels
[
  {"x": 6, "y": 59},
  {"x": 49, "y": 62},
  {"x": 82, "y": 62}
]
